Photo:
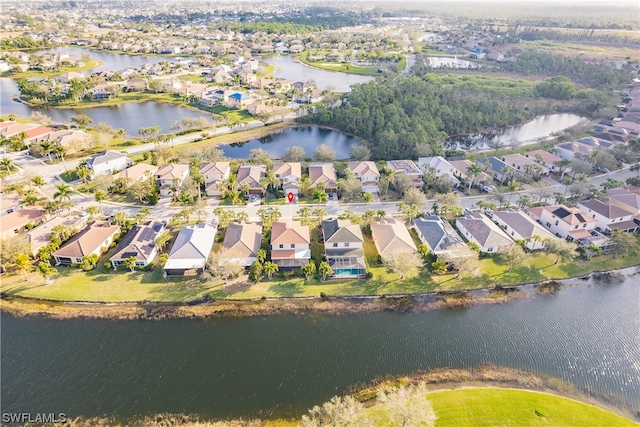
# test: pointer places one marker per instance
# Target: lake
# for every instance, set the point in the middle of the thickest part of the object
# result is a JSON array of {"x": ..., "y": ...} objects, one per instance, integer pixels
[
  {"x": 279, "y": 366},
  {"x": 538, "y": 129},
  {"x": 110, "y": 61},
  {"x": 287, "y": 68},
  {"x": 307, "y": 137}
]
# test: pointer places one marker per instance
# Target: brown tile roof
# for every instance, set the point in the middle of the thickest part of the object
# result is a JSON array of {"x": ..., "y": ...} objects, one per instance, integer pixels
[
  {"x": 251, "y": 174},
  {"x": 288, "y": 169},
  {"x": 242, "y": 240},
  {"x": 391, "y": 236},
  {"x": 171, "y": 171},
  {"x": 136, "y": 172},
  {"x": 323, "y": 173},
  {"x": 87, "y": 240},
  {"x": 366, "y": 169},
  {"x": 20, "y": 218},
  {"x": 289, "y": 232}
]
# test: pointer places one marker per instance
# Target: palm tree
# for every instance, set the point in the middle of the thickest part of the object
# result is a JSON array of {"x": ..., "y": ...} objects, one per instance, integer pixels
[
  {"x": 8, "y": 165},
  {"x": 325, "y": 270},
  {"x": 562, "y": 164},
  {"x": 473, "y": 171},
  {"x": 320, "y": 196},
  {"x": 304, "y": 212},
  {"x": 63, "y": 194},
  {"x": 162, "y": 240},
  {"x": 47, "y": 148},
  {"x": 368, "y": 198},
  {"x": 38, "y": 181},
  {"x": 60, "y": 152},
  {"x": 512, "y": 187},
  {"x": 320, "y": 213},
  {"x": 269, "y": 268},
  {"x": 242, "y": 217},
  {"x": 99, "y": 196}
]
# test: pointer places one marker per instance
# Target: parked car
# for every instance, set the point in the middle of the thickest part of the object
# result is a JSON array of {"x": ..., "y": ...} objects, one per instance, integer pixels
[
  {"x": 601, "y": 169},
  {"x": 467, "y": 211},
  {"x": 252, "y": 198},
  {"x": 489, "y": 188}
]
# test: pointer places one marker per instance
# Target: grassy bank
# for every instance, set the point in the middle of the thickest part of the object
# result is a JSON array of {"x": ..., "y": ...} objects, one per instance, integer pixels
[
  {"x": 343, "y": 68},
  {"x": 46, "y": 74}
]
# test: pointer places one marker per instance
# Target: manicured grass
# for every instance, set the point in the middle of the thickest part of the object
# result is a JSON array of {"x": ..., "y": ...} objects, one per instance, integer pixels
[
  {"x": 485, "y": 406},
  {"x": 45, "y": 74},
  {"x": 343, "y": 68}
]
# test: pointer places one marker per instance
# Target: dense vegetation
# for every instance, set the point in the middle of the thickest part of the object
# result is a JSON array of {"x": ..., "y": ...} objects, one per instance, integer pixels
[
  {"x": 413, "y": 116},
  {"x": 23, "y": 42}
]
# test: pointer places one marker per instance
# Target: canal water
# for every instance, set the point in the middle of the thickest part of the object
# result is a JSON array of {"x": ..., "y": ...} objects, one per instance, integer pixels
[{"x": 279, "y": 366}]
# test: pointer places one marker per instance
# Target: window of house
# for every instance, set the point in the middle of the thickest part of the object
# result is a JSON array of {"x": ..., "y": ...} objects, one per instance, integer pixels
[
  {"x": 280, "y": 246},
  {"x": 490, "y": 250},
  {"x": 293, "y": 246},
  {"x": 78, "y": 259},
  {"x": 346, "y": 245},
  {"x": 584, "y": 225},
  {"x": 576, "y": 226},
  {"x": 335, "y": 245},
  {"x": 556, "y": 222}
]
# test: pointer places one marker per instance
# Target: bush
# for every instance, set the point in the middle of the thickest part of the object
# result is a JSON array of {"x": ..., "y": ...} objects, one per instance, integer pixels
[
  {"x": 323, "y": 295},
  {"x": 369, "y": 274}
]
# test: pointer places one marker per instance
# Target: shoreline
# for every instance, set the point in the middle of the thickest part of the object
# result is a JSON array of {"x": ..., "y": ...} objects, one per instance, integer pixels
[{"x": 339, "y": 305}]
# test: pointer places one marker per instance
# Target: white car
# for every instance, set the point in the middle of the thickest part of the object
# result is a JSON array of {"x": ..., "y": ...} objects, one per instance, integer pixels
[{"x": 489, "y": 188}]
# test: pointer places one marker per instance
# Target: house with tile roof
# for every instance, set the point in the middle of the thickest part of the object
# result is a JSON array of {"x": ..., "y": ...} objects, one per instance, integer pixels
[
  {"x": 136, "y": 172},
  {"x": 544, "y": 158},
  {"x": 41, "y": 235},
  {"x": 519, "y": 226},
  {"x": 214, "y": 173},
  {"x": 170, "y": 175},
  {"x": 9, "y": 203},
  {"x": 108, "y": 162},
  {"x": 367, "y": 172},
  {"x": 565, "y": 222},
  {"x": 522, "y": 163},
  {"x": 479, "y": 229},
  {"x": 93, "y": 239},
  {"x": 323, "y": 174},
  {"x": 191, "y": 250},
  {"x": 289, "y": 174},
  {"x": 390, "y": 236},
  {"x": 628, "y": 199},
  {"x": 568, "y": 150},
  {"x": 251, "y": 175},
  {"x": 460, "y": 171},
  {"x": 16, "y": 222},
  {"x": 343, "y": 248},
  {"x": 438, "y": 166},
  {"x": 409, "y": 168},
  {"x": 140, "y": 242},
  {"x": 242, "y": 243},
  {"x": 290, "y": 244},
  {"x": 437, "y": 234},
  {"x": 609, "y": 216}
]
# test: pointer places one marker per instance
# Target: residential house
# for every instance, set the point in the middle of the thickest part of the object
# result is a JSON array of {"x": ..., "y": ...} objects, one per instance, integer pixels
[
  {"x": 409, "y": 168},
  {"x": 609, "y": 216},
  {"x": 568, "y": 150},
  {"x": 41, "y": 235},
  {"x": 390, "y": 236},
  {"x": 93, "y": 239},
  {"x": 108, "y": 162},
  {"x": 524, "y": 164},
  {"x": 170, "y": 176},
  {"x": 460, "y": 172},
  {"x": 367, "y": 172},
  {"x": 190, "y": 252},
  {"x": 239, "y": 100},
  {"x": 17, "y": 221},
  {"x": 290, "y": 244},
  {"x": 139, "y": 243},
  {"x": 437, "y": 234},
  {"x": 251, "y": 176},
  {"x": 498, "y": 169},
  {"x": 289, "y": 174},
  {"x": 73, "y": 141},
  {"x": 343, "y": 248},
  {"x": 136, "y": 172},
  {"x": 628, "y": 199},
  {"x": 136, "y": 84},
  {"x": 519, "y": 226},
  {"x": 544, "y": 158},
  {"x": 242, "y": 243},
  {"x": 9, "y": 203},
  {"x": 100, "y": 92},
  {"x": 479, "y": 229},
  {"x": 323, "y": 174},
  {"x": 438, "y": 166},
  {"x": 214, "y": 173},
  {"x": 565, "y": 222}
]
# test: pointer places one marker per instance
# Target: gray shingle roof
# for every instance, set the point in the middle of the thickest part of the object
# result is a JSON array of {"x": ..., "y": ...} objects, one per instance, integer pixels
[
  {"x": 439, "y": 234},
  {"x": 338, "y": 230}
]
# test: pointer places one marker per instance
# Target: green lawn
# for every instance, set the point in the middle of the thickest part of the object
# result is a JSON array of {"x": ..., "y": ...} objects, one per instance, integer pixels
[{"x": 485, "y": 406}]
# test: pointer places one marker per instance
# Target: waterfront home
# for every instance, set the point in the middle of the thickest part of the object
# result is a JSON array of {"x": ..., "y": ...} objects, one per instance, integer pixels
[
  {"x": 100, "y": 92},
  {"x": 136, "y": 84},
  {"x": 498, "y": 169},
  {"x": 242, "y": 243},
  {"x": 93, "y": 239},
  {"x": 437, "y": 234},
  {"x": 289, "y": 174},
  {"x": 409, "y": 168},
  {"x": 169, "y": 177},
  {"x": 11, "y": 128},
  {"x": 628, "y": 199},
  {"x": 519, "y": 226},
  {"x": 390, "y": 236},
  {"x": 108, "y": 162},
  {"x": 479, "y": 229},
  {"x": 290, "y": 244},
  {"x": 214, "y": 173},
  {"x": 190, "y": 251},
  {"x": 72, "y": 140},
  {"x": 343, "y": 248},
  {"x": 544, "y": 158},
  {"x": 524, "y": 164},
  {"x": 609, "y": 216},
  {"x": 41, "y": 235},
  {"x": 367, "y": 172},
  {"x": 323, "y": 174},
  {"x": 565, "y": 222},
  {"x": 136, "y": 172},
  {"x": 139, "y": 243},
  {"x": 568, "y": 150},
  {"x": 250, "y": 175},
  {"x": 438, "y": 166},
  {"x": 17, "y": 221},
  {"x": 460, "y": 172},
  {"x": 239, "y": 100}
]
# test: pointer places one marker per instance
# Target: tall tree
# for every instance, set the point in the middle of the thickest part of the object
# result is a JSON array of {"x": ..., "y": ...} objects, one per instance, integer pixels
[{"x": 560, "y": 248}]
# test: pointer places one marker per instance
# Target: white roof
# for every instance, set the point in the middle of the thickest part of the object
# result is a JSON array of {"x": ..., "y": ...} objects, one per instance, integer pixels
[{"x": 192, "y": 247}]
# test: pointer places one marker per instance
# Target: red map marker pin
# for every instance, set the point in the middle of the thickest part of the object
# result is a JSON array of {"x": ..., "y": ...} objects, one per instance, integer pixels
[{"x": 290, "y": 196}]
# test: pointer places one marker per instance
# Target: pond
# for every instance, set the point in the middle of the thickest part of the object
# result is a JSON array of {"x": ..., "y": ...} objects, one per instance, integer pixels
[
  {"x": 307, "y": 137},
  {"x": 110, "y": 61},
  {"x": 586, "y": 334},
  {"x": 540, "y": 128},
  {"x": 129, "y": 116},
  {"x": 287, "y": 68}
]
